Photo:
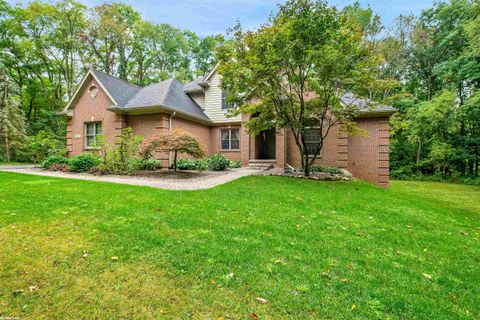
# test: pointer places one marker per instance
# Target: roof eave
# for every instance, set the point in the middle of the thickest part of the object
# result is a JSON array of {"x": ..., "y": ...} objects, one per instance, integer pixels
[
  {"x": 156, "y": 109},
  {"x": 65, "y": 113},
  {"x": 376, "y": 113},
  {"x": 199, "y": 90}
]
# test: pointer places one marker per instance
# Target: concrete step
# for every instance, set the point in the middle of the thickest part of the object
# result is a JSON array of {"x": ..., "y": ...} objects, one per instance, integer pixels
[{"x": 262, "y": 164}]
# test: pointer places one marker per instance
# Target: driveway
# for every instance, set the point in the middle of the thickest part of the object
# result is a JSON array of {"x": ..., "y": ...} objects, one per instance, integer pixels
[{"x": 191, "y": 180}]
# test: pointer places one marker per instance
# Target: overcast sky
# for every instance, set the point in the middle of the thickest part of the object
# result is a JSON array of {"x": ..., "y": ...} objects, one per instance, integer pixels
[{"x": 214, "y": 16}]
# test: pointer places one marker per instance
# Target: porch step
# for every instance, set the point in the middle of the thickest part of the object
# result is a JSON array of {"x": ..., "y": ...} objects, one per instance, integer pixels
[{"x": 262, "y": 164}]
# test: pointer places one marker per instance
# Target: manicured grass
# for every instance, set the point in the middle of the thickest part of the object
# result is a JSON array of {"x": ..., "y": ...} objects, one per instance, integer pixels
[{"x": 311, "y": 249}]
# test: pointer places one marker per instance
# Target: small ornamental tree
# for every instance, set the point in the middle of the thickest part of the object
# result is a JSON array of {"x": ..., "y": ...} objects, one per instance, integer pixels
[
  {"x": 292, "y": 72},
  {"x": 176, "y": 141}
]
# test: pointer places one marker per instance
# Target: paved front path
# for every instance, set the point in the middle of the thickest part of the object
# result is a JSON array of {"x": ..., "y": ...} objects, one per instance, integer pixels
[{"x": 206, "y": 181}]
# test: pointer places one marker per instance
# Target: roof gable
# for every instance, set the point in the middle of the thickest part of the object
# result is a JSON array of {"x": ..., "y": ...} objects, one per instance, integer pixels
[{"x": 117, "y": 90}]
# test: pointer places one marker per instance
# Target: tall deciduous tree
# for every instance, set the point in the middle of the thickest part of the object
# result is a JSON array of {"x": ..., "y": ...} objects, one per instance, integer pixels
[
  {"x": 292, "y": 72},
  {"x": 12, "y": 129}
]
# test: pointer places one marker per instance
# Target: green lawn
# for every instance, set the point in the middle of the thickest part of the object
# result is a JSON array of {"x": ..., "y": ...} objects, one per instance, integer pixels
[{"x": 311, "y": 249}]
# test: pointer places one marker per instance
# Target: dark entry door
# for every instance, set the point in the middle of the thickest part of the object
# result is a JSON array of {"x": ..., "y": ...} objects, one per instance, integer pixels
[{"x": 267, "y": 144}]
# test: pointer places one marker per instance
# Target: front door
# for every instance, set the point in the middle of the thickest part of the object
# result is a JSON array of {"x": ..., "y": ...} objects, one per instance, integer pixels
[{"x": 266, "y": 144}]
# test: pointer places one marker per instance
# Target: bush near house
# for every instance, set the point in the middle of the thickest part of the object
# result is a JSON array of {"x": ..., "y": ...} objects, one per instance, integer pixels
[
  {"x": 187, "y": 164},
  {"x": 56, "y": 159},
  {"x": 149, "y": 164},
  {"x": 124, "y": 157},
  {"x": 59, "y": 167},
  {"x": 333, "y": 170},
  {"x": 320, "y": 168},
  {"x": 217, "y": 162},
  {"x": 234, "y": 164},
  {"x": 83, "y": 162}
]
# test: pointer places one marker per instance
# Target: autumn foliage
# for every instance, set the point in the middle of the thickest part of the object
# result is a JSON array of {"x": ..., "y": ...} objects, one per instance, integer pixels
[{"x": 176, "y": 141}]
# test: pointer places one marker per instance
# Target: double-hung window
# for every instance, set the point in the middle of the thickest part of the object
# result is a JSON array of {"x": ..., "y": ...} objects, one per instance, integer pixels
[
  {"x": 229, "y": 139},
  {"x": 312, "y": 138},
  {"x": 92, "y": 131}
]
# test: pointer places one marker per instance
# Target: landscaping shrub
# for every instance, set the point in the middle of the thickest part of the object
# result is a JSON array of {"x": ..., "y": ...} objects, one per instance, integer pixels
[
  {"x": 56, "y": 159},
  {"x": 233, "y": 164},
  {"x": 202, "y": 164},
  {"x": 149, "y": 164},
  {"x": 83, "y": 162},
  {"x": 186, "y": 164},
  {"x": 218, "y": 162},
  {"x": 190, "y": 164},
  {"x": 125, "y": 157},
  {"x": 62, "y": 167},
  {"x": 333, "y": 170},
  {"x": 317, "y": 168},
  {"x": 99, "y": 170}
]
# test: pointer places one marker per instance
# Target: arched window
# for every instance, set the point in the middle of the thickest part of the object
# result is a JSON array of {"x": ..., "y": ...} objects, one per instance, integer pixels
[{"x": 93, "y": 91}]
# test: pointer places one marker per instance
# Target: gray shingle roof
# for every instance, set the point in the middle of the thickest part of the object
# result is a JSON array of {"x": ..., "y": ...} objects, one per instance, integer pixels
[
  {"x": 119, "y": 89},
  {"x": 366, "y": 105},
  {"x": 168, "y": 93},
  {"x": 194, "y": 85}
]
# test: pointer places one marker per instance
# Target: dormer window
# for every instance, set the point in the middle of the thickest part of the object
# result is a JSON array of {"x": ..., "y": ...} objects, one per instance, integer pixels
[
  {"x": 93, "y": 91},
  {"x": 225, "y": 105}
]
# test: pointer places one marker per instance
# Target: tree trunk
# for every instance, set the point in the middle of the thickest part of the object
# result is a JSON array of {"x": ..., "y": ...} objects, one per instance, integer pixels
[
  {"x": 7, "y": 144},
  {"x": 419, "y": 151},
  {"x": 306, "y": 164},
  {"x": 175, "y": 161},
  {"x": 5, "y": 116}
]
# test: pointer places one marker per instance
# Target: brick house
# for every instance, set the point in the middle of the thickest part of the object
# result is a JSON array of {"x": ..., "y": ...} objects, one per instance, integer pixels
[{"x": 105, "y": 105}]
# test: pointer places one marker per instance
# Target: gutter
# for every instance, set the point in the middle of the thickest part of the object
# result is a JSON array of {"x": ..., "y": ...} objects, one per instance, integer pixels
[
  {"x": 64, "y": 113},
  {"x": 159, "y": 108},
  {"x": 373, "y": 113}
]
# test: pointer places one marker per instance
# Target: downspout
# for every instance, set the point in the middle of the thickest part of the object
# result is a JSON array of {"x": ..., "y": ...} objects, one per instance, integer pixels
[{"x": 170, "y": 129}]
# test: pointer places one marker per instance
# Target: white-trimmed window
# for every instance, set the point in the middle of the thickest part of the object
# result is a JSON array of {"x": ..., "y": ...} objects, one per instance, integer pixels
[
  {"x": 92, "y": 131},
  {"x": 229, "y": 139},
  {"x": 312, "y": 139}
]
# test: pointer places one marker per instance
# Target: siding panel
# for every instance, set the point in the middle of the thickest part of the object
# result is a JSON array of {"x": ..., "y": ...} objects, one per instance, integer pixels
[{"x": 213, "y": 102}]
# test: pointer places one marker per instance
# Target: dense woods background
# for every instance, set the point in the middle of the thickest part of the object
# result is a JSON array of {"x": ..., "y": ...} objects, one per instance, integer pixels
[
  {"x": 428, "y": 68},
  {"x": 45, "y": 49}
]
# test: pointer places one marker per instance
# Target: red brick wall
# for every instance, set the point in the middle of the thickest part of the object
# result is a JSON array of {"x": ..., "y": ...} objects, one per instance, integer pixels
[
  {"x": 368, "y": 157},
  {"x": 87, "y": 109},
  {"x": 147, "y": 125},
  {"x": 334, "y": 151},
  {"x": 200, "y": 131},
  {"x": 365, "y": 157}
]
